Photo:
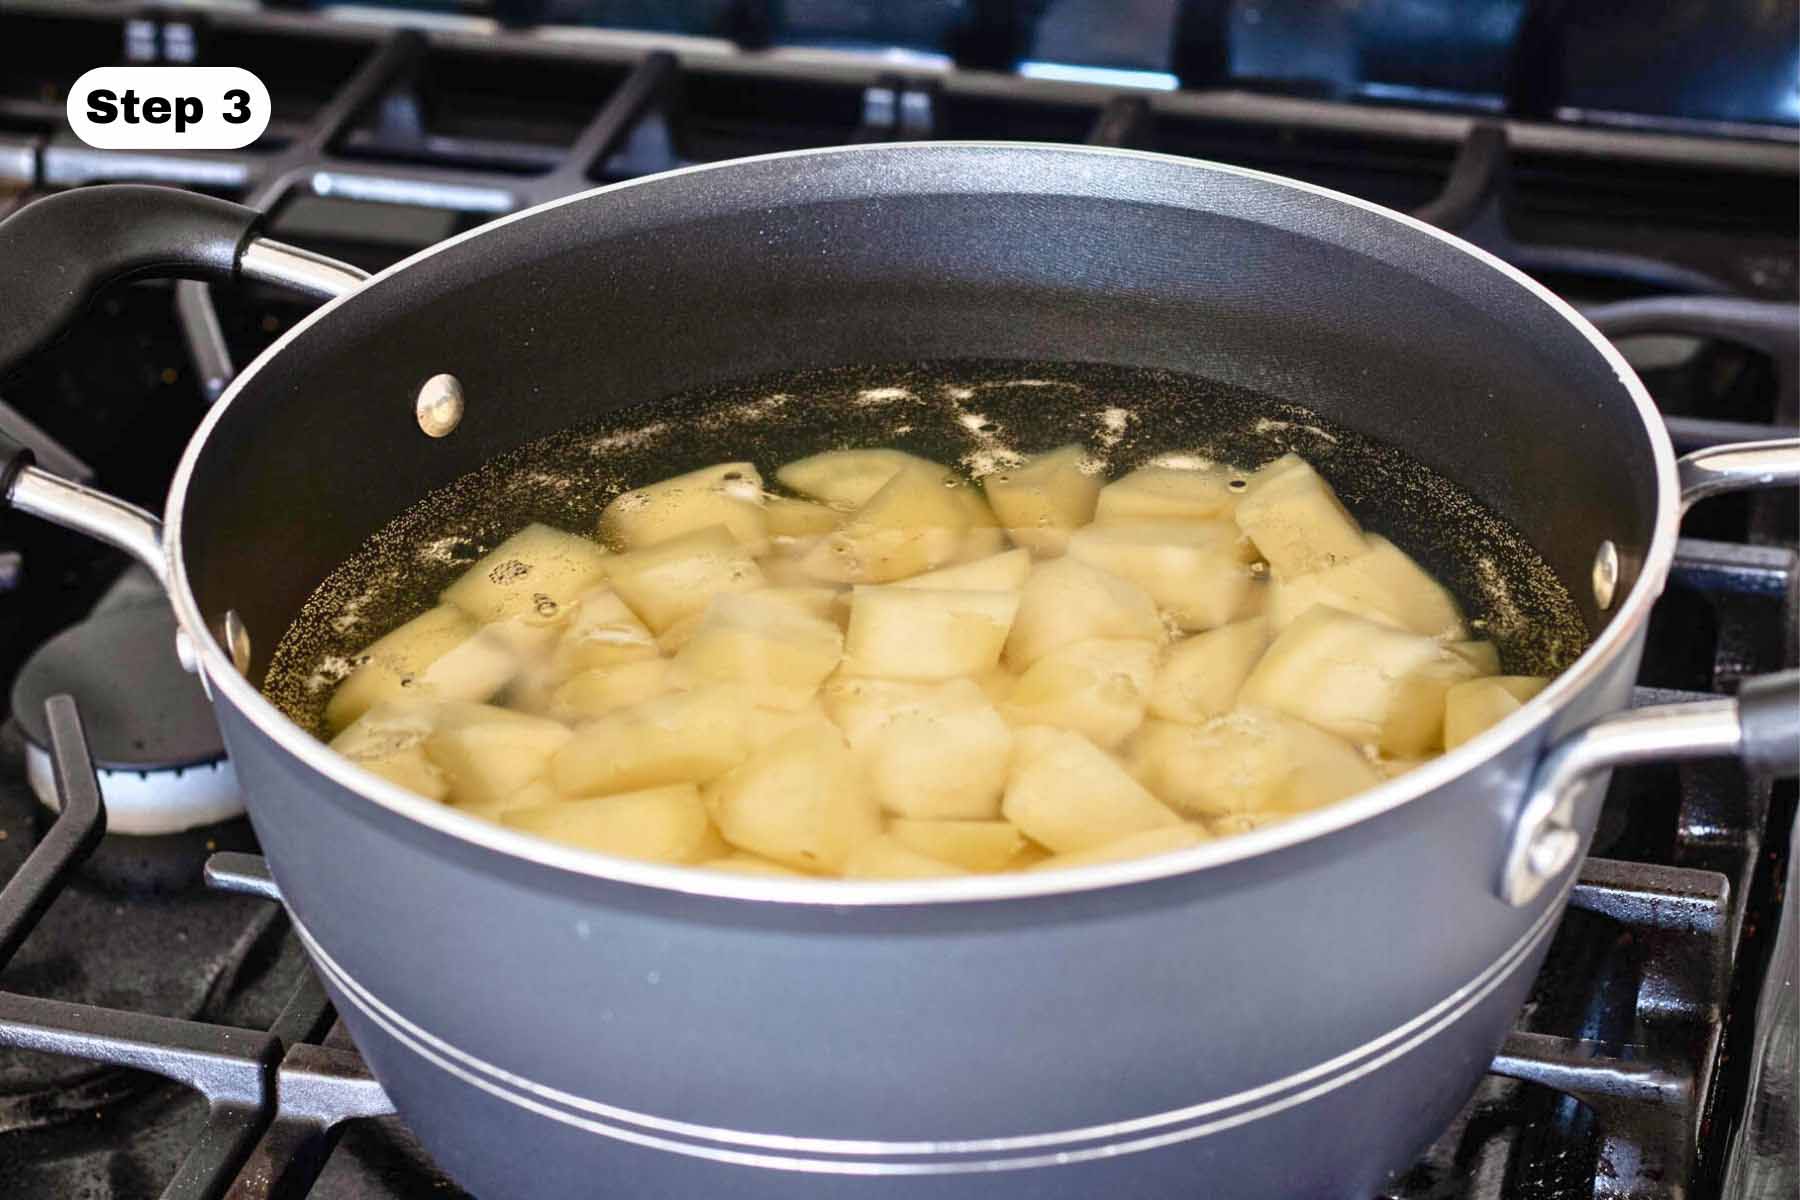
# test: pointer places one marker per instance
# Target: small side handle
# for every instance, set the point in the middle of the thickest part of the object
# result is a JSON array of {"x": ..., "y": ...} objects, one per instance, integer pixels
[{"x": 1761, "y": 727}]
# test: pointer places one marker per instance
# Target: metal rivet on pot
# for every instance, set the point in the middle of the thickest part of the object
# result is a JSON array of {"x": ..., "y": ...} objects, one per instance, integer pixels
[
  {"x": 1606, "y": 575},
  {"x": 439, "y": 407},
  {"x": 235, "y": 638}
]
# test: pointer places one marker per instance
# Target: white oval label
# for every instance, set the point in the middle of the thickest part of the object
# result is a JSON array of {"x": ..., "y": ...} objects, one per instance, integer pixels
[{"x": 168, "y": 108}]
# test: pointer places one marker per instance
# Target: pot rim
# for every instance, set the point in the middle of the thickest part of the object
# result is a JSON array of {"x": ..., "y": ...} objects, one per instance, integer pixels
[{"x": 1614, "y": 640}]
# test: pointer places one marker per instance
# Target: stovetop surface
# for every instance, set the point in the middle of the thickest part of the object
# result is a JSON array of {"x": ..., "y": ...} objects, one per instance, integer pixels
[{"x": 387, "y": 141}]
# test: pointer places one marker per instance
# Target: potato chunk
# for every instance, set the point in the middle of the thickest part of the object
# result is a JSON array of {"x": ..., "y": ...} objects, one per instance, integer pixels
[
  {"x": 1040, "y": 502},
  {"x": 602, "y": 632},
  {"x": 1191, "y": 569},
  {"x": 685, "y": 737},
  {"x": 532, "y": 577},
  {"x": 1296, "y": 520},
  {"x": 777, "y": 652},
  {"x": 932, "y": 751},
  {"x": 800, "y": 801},
  {"x": 1199, "y": 677},
  {"x": 1383, "y": 584},
  {"x": 1371, "y": 684},
  {"x": 792, "y": 520},
  {"x": 1099, "y": 688},
  {"x": 914, "y": 523},
  {"x": 389, "y": 739},
  {"x": 728, "y": 494},
  {"x": 886, "y": 857},
  {"x": 1483, "y": 656},
  {"x": 764, "y": 726},
  {"x": 595, "y": 693},
  {"x": 665, "y": 824},
  {"x": 1249, "y": 760},
  {"x": 1004, "y": 572},
  {"x": 849, "y": 478},
  {"x": 1168, "y": 493},
  {"x": 926, "y": 634},
  {"x": 676, "y": 579},
  {"x": 1067, "y": 601},
  {"x": 739, "y": 863},
  {"x": 438, "y": 655},
  {"x": 489, "y": 753},
  {"x": 1161, "y": 840},
  {"x": 971, "y": 845},
  {"x": 1471, "y": 707},
  {"x": 1068, "y": 794}
]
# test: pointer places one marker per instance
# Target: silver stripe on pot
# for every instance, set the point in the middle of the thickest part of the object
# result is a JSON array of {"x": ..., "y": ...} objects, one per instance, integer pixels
[{"x": 1103, "y": 1141}]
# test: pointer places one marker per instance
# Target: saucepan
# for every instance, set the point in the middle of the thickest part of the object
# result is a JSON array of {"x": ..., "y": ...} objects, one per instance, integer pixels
[{"x": 1292, "y": 1012}]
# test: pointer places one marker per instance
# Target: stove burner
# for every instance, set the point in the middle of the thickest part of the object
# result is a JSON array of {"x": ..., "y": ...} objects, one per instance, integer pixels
[{"x": 156, "y": 745}]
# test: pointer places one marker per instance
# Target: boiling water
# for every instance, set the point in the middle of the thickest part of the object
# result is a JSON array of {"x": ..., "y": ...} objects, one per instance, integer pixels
[{"x": 979, "y": 417}]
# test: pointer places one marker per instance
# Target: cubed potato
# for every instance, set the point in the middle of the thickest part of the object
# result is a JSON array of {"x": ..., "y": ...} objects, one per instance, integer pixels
[
  {"x": 985, "y": 537},
  {"x": 849, "y": 478},
  {"x": 914, "y": 523},
  {"x": 1388, "y": 768},
  {"x": 389, "y": 739},
  {"x": 971, "y": 845},
  {"x": 1160, "y": 840},
  {"x": 926, "y": 634},
  {"x": 1040, "y": 502},
  {"x": 438, "y": 655},
  {"x": 533, "y": 794},
  {"x": 602, "y": 632},
  {"x": 790, "y": 520},
  {"x": 782, "y": 571},
  {"x": 1003, "y": 572},
  {"x": 778, "y": 653},
  {"x": 1383, "y": 584},
  {"x": 532, "y": 578},
  {"x": 1098, "y": 688},
  {"x": 602, "y": 690},
  {"x": 728, "y": 494},
  {"x": 885, "y": 857},
  {"x": 1158, "y": 492},
  {"x": 1067, "y": 601},
  {"x": 1191, "y": 569},
  {"x": 1473, "y": 706},
  {"x": 1483, "y": 656},
  {"x": 1067, "y": 794},
  {"x": 1370, "y": 684},
  {"x": 931, "y": 751},
  {"x": 997, "y": 685},
  {"x": 676, "y": 579},
  {"x": 1296, "y": 520},
  {"x": 664, "y": 824},
  {"x": 800, "y": 801},
  {"x": 766, "y": 725},
  {"x": 828, "y": 603},
  {"x": 684, "y": 737},
  {"x": 671, "y": 640},
  {"x": 1199, "y": 677},
  {"x": 740, "y": 863},
  {"x": 1237, "y": 823},
  {"x": 1249, "y": 760},
  {"x": 488, "y": 753}
]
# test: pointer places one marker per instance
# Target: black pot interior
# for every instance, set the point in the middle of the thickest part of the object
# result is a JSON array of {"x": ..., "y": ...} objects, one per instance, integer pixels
[{"x": 900, "y": 254}]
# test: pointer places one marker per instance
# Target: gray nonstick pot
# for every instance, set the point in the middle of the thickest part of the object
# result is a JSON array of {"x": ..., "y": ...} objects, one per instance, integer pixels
[{"x": 1293, "y": 1012}]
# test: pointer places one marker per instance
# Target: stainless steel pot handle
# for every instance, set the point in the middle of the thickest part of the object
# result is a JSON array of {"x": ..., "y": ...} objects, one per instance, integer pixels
[
  {"x": 1761, "y": 726},
  {"x": 62, "y": 250}
]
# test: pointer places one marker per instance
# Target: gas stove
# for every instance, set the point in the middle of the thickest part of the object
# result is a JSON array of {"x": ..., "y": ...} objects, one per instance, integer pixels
[{"x": 160, "y": 1031}]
